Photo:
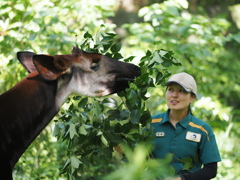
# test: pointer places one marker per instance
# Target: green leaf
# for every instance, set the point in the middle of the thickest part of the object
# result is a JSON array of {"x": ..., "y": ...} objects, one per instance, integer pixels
[
  {"x": 148, "y": 53},
  {"x": 129, "y": 59},
  {"x": 72, "y": 130},
  {"x": 135, "y": 116},
  {"x": 110, "y": 102},
  {"x": 76, "y": 98},
  {"x": 168, "y": 158},
  {"x": 104, "y": 140},
  {"x": 156, "y": 58},
  {"x": 159, "y": 78},
  {"x": 116, "y": 48},
  {"x": 117, "y": 56},
  {"x": 97, "y": 108},
  {"x": 56, "y": 130},
  {"x": 82, "y": 130},
  {"x": 188, "y": 164},
  {"x": 111, "y": 136},
  {"x": 86, "y": 126},
  {"x": 83, "y": 103},
  {"x": 124, "y": 114},
  {"x": 87, "y": 35},
  {"x": 236, "y": 37},
  {"x": 102, "y": 26},
  {"x": 75, "y": 162},
  {"x": 66, "y": 164},
  {"x": 132, "y": 96},
  {"x": 173, "y": 11},
  {"x": 176, "y": 62},
  {"x": 145, "y": 118},
  {"x": 113, "y": 114},
  {"x": 167, "y": 63}
]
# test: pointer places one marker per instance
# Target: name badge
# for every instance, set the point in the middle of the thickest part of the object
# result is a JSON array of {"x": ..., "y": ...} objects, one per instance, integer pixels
[
  {"x": 192, "y": 136},
  {"x": 160, "y": 134}
]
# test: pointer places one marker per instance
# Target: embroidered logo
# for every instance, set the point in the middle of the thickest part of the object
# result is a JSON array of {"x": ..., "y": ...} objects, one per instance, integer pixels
[{"x": 199, "y": 127}]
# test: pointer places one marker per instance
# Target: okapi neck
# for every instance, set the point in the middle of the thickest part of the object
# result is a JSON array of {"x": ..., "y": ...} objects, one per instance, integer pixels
[{"x": 29, "y": 107}]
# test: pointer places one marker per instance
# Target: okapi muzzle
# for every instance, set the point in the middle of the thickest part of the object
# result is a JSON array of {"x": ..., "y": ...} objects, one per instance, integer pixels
[{"x": 31, "y": 104}]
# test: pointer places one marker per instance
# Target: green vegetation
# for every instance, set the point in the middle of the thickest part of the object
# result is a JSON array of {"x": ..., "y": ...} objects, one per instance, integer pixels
[{"x": 204, "y": 39}]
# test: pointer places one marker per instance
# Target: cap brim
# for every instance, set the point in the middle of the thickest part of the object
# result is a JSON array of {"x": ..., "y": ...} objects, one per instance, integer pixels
[{"x": 169, "y": 82}]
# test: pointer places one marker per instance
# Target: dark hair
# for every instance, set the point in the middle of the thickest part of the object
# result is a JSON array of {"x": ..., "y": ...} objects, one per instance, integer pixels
[
  {"x": 189, "y": 109},
  {"x": 189, "y": 106}
]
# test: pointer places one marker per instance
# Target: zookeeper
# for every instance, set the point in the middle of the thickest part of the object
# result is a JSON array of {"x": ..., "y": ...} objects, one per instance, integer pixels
[{"x": 183, "y": 135}]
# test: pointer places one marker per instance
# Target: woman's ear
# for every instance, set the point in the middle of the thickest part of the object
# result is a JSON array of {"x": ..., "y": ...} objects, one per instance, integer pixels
[{"x": 193, "y": 97}]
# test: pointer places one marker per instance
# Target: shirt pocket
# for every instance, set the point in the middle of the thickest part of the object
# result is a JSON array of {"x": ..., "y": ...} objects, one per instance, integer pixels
[{"x": 188, "y": 149}]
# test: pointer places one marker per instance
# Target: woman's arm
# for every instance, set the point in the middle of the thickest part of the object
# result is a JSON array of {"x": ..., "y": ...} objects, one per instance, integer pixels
[{"x": 209, "y": 171}]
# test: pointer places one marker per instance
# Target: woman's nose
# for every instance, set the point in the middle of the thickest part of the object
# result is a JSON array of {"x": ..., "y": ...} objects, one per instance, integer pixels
[{"x": 175, "y": 94}]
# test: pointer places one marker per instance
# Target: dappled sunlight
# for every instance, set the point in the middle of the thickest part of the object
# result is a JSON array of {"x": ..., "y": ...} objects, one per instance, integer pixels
[{"x": 203, "y": 36}]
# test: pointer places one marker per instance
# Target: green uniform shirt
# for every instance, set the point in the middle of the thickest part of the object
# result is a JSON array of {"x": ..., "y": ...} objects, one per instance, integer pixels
[{"x": 192, "y": 140}]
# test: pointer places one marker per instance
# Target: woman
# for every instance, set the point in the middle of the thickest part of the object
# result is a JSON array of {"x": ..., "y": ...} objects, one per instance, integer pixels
[{"x": 189, "y": 140}]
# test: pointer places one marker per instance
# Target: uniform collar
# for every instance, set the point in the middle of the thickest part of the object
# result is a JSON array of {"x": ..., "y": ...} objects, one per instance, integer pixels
[{"x": 184, "y": 122}]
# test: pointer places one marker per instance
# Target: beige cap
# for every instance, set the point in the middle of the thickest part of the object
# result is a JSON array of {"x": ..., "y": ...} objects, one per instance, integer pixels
[{"x": 185, "y": 80}]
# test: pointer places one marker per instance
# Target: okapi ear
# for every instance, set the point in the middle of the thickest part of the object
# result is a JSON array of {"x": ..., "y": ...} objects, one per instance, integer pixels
[
  {"x": 51, "y": 67},
  {"x": 76, "y": 51},
  {"x": 25, "y": 58}
]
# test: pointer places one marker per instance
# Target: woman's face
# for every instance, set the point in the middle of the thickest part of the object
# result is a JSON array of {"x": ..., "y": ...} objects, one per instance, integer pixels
[{"x": 177, "y": 98}]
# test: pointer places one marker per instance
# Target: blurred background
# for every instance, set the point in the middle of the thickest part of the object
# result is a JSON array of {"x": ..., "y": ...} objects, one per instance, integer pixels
[{"x": 203, "y": 35}]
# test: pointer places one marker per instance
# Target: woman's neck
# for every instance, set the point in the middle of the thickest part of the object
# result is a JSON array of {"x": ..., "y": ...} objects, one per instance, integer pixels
[{"x": 176, "y": 116}]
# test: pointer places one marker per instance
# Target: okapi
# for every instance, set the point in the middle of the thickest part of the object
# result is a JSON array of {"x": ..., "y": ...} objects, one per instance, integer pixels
[{"x": 31, "y": 104}]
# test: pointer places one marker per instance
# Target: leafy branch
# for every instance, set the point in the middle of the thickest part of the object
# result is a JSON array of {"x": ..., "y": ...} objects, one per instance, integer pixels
[{"x": 93, "y": 126}]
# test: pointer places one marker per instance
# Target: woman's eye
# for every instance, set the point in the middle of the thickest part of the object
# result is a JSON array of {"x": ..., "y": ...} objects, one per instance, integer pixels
[{"x": 182, "y": 90}]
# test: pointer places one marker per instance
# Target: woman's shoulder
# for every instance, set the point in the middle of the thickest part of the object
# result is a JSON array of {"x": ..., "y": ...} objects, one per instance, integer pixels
[{"x": 198, "y": 122}]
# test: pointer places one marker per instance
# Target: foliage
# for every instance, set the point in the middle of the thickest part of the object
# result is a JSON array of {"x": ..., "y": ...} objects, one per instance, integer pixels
[
  {"x": 140, "y": 167},
  {"x": 208, "y": 48},
  {"x": 42, "y": 160},
  {"x": 93, "y": 126}
]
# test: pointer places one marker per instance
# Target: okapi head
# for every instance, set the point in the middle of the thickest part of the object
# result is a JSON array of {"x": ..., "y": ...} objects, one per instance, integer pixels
[{"x": 88, "y": 74}]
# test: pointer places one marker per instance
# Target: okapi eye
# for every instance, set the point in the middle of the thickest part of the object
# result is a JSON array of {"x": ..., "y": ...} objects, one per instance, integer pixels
[{"x": 94, "y": 66}]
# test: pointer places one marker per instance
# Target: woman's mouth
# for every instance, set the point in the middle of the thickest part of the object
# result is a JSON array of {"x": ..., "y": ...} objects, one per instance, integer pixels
[{"x": 174, "y": 102}]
